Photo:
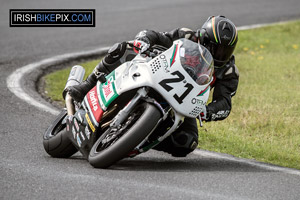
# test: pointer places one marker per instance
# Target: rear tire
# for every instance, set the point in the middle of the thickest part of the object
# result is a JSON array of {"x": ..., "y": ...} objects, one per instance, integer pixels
[
  {"x": 138, "y": 125},
  {"x": 56, "y": 142}
]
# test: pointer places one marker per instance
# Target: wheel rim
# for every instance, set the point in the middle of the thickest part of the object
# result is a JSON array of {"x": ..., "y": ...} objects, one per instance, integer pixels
[{"x": 112, "y": 136}]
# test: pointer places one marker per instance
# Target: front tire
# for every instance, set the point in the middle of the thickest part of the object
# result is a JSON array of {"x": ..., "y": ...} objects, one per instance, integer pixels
[
  {"x": 56, "y": 142},
  {"x": 136, "y": 128}
]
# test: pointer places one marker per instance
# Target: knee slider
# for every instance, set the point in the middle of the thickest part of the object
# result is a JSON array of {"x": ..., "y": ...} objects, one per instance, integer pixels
[
  {"x": 184, "y": 140},
  {"x": 183, "y": 144}
]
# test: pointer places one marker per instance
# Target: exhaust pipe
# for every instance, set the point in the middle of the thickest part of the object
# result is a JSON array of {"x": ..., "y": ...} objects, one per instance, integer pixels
[{"x": 75, "y": 77}]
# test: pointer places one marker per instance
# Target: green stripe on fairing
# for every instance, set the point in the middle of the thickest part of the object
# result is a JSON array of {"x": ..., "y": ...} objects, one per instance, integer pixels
[
  {"x": 173, "y": 55},
  {"x": 203, "y": 92}
]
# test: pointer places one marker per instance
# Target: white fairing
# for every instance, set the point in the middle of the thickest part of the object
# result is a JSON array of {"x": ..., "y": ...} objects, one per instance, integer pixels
[{"x": 167, "y": 76}]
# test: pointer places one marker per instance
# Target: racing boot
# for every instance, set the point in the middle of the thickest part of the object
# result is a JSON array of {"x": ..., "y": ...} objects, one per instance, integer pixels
[
  {"x": 78, "y": 92},
  {"x": 110, "y": 62}
]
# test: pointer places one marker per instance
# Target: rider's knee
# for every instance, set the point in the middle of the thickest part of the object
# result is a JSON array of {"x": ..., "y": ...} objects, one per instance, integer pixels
[
  {"x": 183, "y": 143},
  {"x": 179, "y": 144}
]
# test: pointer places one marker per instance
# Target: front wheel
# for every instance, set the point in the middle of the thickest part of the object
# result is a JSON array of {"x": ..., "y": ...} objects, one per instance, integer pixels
[
  {"x": 56, "y": 142},
  {"x": 114, "y": 145}
]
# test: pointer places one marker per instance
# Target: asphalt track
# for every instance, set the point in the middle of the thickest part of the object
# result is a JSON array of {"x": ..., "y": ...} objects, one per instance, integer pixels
[{"x": 27, "y": 172}]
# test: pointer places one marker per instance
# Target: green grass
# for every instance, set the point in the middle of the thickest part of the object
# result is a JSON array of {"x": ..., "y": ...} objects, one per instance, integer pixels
[
  {"x": 55, "y": 82},
  {"x": 265, "y": 120}
]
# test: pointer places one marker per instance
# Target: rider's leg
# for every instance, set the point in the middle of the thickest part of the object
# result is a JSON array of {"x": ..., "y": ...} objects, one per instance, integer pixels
[
  {"x": 114, "y": 58},
  {"x": 183, "y": 141}
]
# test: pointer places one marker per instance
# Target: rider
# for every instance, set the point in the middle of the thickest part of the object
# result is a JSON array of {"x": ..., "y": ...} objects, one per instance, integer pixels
[{"x": 219, "y": 35}]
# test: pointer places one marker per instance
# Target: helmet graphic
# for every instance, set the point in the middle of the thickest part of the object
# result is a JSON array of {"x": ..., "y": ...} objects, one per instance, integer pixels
[{"x": 219, "y": 35}]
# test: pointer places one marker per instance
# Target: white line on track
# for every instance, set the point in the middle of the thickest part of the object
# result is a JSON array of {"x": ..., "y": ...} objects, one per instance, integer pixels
[
  {"x": 14, "y": 85},
  {"x": 14, "y": 80},
  {"x": 254, "y": 163}
]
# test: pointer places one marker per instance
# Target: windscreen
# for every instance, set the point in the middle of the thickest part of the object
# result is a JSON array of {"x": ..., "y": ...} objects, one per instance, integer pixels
[{"x": 197, "y": 61}]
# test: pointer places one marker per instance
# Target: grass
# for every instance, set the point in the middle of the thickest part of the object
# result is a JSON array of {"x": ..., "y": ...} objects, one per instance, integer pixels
[
  {"x": 264, "y": 123},
  {"x": 265, "y": 120},
  {"x": 55, "y": 82}
]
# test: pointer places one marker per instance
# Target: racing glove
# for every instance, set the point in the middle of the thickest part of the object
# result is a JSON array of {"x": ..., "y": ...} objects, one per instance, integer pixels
[
  {"x": 205, "y": 115},
  {"x": 142, "y": 44}
]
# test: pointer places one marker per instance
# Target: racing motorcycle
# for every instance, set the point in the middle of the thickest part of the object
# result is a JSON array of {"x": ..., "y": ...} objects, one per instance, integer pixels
[{"x": 135, "y": 107}]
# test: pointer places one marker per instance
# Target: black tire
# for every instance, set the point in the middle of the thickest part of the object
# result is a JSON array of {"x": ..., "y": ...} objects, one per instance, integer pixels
[
  {"x": 56, "y": 142},
  {"x": 145, "y": 121}
]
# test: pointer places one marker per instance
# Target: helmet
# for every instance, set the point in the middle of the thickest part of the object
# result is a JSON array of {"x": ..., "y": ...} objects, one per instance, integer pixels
[{"x": 219, "y": 35}]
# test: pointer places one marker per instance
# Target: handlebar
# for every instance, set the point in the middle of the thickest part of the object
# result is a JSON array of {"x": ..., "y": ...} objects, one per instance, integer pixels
[{"x": 152, "y": 52}]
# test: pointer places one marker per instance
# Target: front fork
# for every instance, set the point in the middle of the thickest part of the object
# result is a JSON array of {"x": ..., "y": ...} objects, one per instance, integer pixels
[{"x": 124, "y": 113}]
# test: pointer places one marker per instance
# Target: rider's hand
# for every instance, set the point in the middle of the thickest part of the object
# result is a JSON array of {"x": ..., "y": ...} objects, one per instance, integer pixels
[
  {"x": 142, "y": 44},
  {"x": 204, "y": 115}
]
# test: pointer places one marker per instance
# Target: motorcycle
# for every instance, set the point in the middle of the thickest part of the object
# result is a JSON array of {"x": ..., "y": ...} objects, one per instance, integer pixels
[{"x": 135, "y": 107}]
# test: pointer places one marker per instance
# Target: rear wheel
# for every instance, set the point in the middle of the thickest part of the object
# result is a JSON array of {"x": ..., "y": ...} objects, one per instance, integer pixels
[
  {"x": 114, "y": 145},
  {"x": 56, "y": 142}
]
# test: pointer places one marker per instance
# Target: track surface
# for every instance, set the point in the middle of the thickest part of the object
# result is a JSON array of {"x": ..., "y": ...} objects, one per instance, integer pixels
[{"x": 27, "y": 172}]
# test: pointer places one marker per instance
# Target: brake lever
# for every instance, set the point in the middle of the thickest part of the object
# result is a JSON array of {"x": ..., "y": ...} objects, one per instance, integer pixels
[{"x": 151, "y": 53}]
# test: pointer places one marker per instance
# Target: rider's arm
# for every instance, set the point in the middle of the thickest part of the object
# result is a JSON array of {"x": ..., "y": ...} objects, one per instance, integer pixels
[
  {"x": 224, "y": 89},
  {"x": 166, "y": 38}
]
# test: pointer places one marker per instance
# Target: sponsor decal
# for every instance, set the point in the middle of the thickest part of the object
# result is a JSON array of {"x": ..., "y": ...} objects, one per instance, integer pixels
[
  {"x": 94, "y": 105},
  {"x": 107, "y": 90},
  {"x": 88, "y": 110},
  {"x": 90, "y": 123},
  {"x": 74, "y": 132},
  {"x": 80, "y": 117},
  {"x": 164, "y": 62},
  {"x": 197, "y": 101},
  {"x": 76, "y": 124},
  {"x": 87, "y": 132},
  {"x": 84, "y": 104},
  {"x": 78, "y": 140},
  {"x": 82, "y": 136},
  {"x": 220, "y": 114},
  {"x": 93, "y": 100}
]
